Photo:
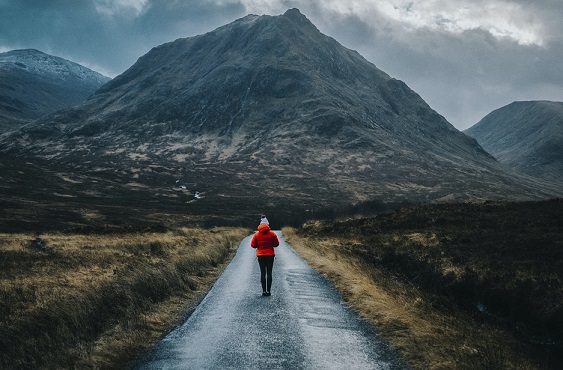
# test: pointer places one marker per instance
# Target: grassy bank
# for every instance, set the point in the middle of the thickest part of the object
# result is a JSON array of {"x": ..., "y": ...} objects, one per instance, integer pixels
[
  {"x": 465, "y": 286},
  {"x": 95, "y": 301}
]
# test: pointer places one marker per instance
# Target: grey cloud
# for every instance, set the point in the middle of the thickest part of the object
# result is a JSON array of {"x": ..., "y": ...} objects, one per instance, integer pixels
[{"x": 462, "y": 76}]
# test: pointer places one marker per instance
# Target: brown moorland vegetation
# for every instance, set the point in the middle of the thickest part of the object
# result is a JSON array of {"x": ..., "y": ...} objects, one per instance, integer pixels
[
  {"x": 456, "y": 286},
  {"x": 95, "y": 301}
]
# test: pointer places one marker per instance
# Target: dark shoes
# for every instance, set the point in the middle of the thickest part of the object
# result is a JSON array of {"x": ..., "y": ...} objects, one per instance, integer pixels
[{"x": 266, "y": 294}]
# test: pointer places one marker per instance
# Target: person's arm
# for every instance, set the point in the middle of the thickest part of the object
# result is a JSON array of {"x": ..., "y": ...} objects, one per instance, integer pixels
[
  {"x": 275, "y": 240},
  {"x": 254, "y": 242}
]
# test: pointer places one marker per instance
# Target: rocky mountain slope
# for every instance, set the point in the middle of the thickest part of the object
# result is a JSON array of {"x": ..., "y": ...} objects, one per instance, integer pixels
[
  {"x": 267, "y": 112},
  {"x": 527, "y": 136},
  {"x": 33, "y": 84}
]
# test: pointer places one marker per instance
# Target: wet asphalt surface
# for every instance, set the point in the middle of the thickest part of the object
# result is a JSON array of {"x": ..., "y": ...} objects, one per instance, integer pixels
[{"x": 304, "y": 324}]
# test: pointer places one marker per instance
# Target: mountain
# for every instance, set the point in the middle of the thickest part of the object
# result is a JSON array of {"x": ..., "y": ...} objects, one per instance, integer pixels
[
  {"x": 268, "y": 113},
  {"x": 526, "y": 136},
  {"x": 33, "y": 84}
]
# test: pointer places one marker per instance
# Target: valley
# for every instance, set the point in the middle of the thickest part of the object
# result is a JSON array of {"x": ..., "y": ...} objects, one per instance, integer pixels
[
  {"x": 445, "y": 285},
  {"x": 131, "y": 197}
]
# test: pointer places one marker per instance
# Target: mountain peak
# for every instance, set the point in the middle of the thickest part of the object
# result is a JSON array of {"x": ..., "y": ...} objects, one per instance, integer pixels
[
  {"x": 40, "y": 63},
  {"x": 526, "y": 136},
  {"x": 35, "y": 83},
  {"x": 295, "y": 15},
  {"x": 272, "y": 101},
  {"x": 23, "y": 52}
]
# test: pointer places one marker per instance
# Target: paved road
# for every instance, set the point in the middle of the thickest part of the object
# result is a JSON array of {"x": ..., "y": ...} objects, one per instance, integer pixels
[{"x": 303, "y": 325}]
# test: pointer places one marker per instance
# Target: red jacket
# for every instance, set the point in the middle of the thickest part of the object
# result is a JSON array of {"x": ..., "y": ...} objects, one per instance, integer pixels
[{"x": 265, "y": 240}]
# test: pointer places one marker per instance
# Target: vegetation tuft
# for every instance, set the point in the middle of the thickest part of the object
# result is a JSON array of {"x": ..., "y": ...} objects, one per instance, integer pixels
[
  {"x": 493, "y": 268},
  {"x": 72, "y": 300}
]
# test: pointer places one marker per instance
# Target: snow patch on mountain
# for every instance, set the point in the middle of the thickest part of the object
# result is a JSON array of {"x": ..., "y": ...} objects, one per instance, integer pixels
[{"x": 41, "y": 64}]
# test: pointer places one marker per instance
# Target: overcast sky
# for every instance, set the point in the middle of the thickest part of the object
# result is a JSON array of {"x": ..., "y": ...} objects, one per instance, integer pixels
[{"x": 464, "y": 57}]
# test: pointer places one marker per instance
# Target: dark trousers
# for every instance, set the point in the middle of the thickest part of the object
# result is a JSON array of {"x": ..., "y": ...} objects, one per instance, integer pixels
[{"x": 266, "y": 266}]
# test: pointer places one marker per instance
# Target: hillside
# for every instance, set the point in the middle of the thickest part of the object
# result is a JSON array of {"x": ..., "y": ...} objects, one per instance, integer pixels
[
  {"x": 526, "y": 136},
  {"x": 33, "y": 84},
  {"x": 266, "y": 113},
  {"x": 468, "y": 286}
]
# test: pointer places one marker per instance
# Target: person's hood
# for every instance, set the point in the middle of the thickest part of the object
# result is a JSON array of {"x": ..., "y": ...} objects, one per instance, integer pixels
[{"x": 263, "y": 228}]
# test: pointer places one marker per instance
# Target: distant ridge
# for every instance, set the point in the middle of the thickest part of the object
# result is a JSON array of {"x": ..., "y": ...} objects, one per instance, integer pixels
[
  {"x": 527, "y": 136},
  {"x": 33, "y": 84}
]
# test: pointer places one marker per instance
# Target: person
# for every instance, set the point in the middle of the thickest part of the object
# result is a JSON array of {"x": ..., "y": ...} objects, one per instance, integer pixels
[
  {"x": 264, "y": 241},
  {"x": 264, "y": 220}
]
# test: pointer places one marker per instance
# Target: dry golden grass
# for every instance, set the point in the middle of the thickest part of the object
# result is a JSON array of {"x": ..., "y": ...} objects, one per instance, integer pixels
[
  {"x": 426, "y": 337},
  {"x": 94, "y": 301}
]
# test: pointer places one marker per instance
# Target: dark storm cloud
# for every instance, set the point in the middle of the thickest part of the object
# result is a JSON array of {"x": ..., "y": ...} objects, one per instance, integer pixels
[
  {"x": 64, "y": 28},
  {"x": 108, "y": 39},
  {"x": 464, "y": 57}
]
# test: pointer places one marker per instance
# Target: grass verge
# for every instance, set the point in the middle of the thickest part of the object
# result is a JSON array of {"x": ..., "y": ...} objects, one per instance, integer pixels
[
  {"x": 467, "y": 286},
  {"x": 96, "y": 301}
]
